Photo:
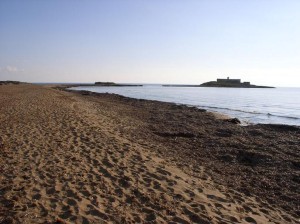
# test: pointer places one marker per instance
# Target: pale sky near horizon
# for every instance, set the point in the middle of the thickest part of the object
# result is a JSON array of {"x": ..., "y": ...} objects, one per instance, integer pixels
[{"x": 157, "y": 41}]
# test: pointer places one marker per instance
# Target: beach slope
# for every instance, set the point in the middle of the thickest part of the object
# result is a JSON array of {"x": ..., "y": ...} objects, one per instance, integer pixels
[{"x": 70, "y": 157}]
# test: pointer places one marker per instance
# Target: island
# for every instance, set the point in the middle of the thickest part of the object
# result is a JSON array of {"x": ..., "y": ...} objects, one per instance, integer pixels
[
  {"x": 231, "y": 83},
  {"x": 113, "y": 84},
  {"x": 8, "y": 82}
]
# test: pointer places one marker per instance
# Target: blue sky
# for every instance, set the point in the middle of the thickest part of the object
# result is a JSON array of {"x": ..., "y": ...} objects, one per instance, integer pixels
[{"x": 157, "y": 41}]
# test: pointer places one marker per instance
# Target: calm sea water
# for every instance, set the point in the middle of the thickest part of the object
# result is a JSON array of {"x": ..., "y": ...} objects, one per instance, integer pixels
[{"x": 276, "y": 106}]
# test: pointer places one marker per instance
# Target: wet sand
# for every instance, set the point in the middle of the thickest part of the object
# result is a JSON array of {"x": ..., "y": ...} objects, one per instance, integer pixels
[{"x": 70, "y": 157}]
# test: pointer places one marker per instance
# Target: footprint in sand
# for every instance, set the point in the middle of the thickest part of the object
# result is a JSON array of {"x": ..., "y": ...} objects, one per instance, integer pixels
[{"x": 250, "y": 220}]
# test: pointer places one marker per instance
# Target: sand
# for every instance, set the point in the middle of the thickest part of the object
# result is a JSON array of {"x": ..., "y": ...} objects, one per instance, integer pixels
[{"x": 98, "y": 158}]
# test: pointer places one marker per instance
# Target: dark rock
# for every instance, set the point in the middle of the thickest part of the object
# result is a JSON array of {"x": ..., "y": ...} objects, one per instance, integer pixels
[
  {"x": 233, "y": 120},
  {"x": 85, "y": 93}
]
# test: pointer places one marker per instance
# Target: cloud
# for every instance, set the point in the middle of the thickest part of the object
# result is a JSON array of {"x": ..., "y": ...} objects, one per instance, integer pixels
[{"x": 11, "y": 69}]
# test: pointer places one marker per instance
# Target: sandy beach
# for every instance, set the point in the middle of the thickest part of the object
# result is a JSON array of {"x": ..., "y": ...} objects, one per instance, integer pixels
[{"x": 80, "y": 157}]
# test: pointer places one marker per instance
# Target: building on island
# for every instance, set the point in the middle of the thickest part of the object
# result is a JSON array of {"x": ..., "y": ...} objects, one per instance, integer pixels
[{"x": 232, "y": 81}]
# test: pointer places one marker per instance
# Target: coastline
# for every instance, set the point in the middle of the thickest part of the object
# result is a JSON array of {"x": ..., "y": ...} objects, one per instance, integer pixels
[
  {"x": 254, "y": 110},
  {"x": 208, "y": 170}
]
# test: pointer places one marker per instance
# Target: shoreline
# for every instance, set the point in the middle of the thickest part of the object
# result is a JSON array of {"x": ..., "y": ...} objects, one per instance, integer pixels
[
  {"x": 255, "y": 130},
  {"x": 219, "y": 115},
  {"x": 72, "y": 156}
]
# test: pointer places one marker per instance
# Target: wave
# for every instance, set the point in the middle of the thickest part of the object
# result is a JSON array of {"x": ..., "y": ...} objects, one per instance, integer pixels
[
  {"x": 290, "y": 117},
  {"x": 251, "y": 112}
]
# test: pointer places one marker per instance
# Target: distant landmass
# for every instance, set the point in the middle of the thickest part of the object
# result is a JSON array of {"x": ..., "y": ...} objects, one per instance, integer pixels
[
  {"x": 10, "y": 82},
  {"x": 231, "y": 83},
  {"x": 113, "y": 84}
]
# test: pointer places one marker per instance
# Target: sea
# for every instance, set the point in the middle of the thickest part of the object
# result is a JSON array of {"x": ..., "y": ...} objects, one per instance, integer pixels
[{"x": 250, "y": 105}]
